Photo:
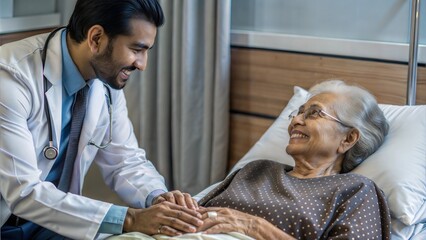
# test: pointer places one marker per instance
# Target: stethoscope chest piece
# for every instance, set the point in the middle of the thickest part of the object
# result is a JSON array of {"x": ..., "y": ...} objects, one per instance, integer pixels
[{"x": 50, "y": 152}]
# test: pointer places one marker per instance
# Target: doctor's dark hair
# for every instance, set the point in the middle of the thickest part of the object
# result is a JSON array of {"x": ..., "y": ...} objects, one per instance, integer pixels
[
  {"x": 359, "y": 109},
  {"x": 113, "y": 15}
]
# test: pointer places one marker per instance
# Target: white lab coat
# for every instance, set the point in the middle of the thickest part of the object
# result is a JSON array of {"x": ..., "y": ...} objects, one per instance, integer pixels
[{"x": 24, "y": 134}]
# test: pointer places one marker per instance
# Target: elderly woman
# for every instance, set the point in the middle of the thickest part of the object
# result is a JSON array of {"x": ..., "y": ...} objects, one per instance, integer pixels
[{"x": 331, "y": 134}]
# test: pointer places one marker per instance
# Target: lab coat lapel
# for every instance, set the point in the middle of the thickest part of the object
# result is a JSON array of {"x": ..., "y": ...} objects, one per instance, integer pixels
[{"x": 95, "y": 105}]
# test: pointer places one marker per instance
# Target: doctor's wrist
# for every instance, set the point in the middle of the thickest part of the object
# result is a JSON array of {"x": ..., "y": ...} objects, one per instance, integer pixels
[{"x": 129, "y": 220}]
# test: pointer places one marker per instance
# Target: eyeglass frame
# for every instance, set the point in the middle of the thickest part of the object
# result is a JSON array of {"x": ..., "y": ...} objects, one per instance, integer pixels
[{"x": 297, "y": 112}]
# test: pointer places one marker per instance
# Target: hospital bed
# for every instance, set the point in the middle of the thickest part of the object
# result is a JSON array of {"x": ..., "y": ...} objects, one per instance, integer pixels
[
  {"x": 268, "y": 85},
  {"x": 398, "y": 167}
]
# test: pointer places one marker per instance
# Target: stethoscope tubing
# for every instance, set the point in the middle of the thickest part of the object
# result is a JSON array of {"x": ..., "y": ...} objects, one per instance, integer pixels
[{"x": 51, "y": 152}]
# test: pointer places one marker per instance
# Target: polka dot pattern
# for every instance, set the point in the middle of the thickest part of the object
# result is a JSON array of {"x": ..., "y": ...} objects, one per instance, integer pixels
[{"x": 347, "y": 206}]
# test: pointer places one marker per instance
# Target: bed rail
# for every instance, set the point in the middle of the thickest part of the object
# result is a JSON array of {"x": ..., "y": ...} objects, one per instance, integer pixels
[{"x": 412, "y": 58}]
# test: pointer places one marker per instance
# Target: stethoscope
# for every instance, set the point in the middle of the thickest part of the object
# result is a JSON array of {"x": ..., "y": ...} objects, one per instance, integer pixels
[{"x": 50, "y": 152}]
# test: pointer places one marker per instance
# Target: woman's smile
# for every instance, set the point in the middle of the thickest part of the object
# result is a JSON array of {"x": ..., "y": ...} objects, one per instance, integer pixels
[{"x": 297, "y": 134}]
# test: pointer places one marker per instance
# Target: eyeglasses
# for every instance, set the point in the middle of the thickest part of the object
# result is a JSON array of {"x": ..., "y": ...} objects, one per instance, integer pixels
[{"x": 313, "y": 112}]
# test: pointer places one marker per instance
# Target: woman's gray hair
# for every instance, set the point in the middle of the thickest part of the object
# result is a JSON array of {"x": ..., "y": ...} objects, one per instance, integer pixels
[{"x": 360, "y": 110}]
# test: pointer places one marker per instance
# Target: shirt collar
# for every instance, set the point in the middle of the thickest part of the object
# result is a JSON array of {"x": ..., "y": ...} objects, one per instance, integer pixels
[{"x": 72, "y": 79}]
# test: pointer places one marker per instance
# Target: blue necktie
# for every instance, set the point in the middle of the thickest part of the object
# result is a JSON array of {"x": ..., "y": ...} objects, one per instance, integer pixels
[{"x": 78, "y": 112}]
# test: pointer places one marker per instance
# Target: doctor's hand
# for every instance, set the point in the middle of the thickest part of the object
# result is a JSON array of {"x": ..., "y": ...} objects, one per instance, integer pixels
[
  {"x": 162, "y": 218},
  {"x": 177, "y": 197}
]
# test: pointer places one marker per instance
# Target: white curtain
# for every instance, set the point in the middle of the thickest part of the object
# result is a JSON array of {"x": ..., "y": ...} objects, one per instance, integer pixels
[{"x": 180, "y": 104}]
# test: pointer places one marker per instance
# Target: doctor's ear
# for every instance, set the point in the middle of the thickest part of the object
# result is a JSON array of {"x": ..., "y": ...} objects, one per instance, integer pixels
[{"x": 95, "y": 37}]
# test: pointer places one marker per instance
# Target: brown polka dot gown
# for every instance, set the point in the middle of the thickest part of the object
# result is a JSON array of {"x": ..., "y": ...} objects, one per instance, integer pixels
[{"x": 343, "y": 206}]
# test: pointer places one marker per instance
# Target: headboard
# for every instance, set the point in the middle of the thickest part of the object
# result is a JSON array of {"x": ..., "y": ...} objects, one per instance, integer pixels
[{"x": 262, "y": 83}]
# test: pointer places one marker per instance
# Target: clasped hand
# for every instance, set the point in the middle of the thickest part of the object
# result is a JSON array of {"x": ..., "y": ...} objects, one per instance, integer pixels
[
  {"x": 175, "y": 213},
  {"x": 172, "y": 213}
]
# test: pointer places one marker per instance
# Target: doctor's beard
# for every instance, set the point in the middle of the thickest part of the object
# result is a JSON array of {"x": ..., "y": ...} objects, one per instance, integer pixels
[{"x": 107, "y": 71}]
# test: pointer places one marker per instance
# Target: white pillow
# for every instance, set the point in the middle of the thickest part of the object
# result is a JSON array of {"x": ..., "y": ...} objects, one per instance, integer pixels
[{"x": 398, "y": 167}]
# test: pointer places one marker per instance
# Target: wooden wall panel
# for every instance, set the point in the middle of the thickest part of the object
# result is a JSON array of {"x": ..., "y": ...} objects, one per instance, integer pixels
[
  {"x": 245, "y": 131},
  {"x": 262, "y": 82},
  {"x": 10, "y": 37},
  {"x": 421, "y": 86}
]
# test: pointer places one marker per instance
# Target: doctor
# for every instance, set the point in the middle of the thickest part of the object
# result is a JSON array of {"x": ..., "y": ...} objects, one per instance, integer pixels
[{"x": 41, "y": 81}]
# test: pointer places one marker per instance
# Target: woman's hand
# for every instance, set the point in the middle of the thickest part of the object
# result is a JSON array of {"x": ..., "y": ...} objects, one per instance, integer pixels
[
  {"x": 177, "y": 197},
  {"x": 162, "y": 218},
  {"x": 225, "y": 220}
]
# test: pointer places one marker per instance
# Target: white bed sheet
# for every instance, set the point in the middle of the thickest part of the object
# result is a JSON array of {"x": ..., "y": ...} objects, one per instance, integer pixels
[{"x": 190, "y": 236}]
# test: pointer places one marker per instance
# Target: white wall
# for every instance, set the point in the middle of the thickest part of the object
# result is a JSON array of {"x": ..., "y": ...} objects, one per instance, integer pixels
[
  {"x": 24, "y": 15},
  {"x": 377, "y": 29}
]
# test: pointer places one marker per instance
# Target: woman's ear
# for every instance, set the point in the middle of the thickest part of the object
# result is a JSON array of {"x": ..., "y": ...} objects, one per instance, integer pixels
[
  {"x": 95, "y": 37},
  {"x": 350, "y": 139}
]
